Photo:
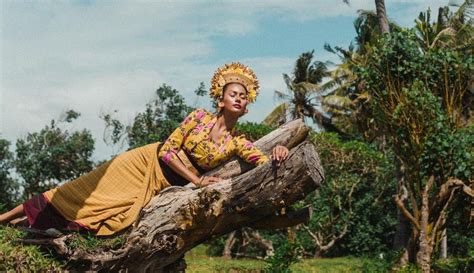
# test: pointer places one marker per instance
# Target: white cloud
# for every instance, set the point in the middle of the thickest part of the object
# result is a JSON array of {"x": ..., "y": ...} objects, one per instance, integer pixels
[{"x": 106, "y": 55}]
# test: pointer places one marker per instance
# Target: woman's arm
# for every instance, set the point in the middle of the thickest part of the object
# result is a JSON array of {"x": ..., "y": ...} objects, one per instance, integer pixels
[{"x": 246, "y": 150}]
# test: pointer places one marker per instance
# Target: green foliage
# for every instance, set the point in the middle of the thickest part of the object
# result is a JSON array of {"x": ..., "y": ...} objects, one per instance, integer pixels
[
  {"x": 459, "y": 228},
  {"x": 285, "y": 255},
  {"x": 52, "y": 155},
  {"x": 216, "y": 246},
  {"x": 357, "y": 192},
  {"x": 8, "y": 185},
  {"x": 201, "y": 90},
  {"x": 458, "y": 265},
  {"x": 420, "y": 105},
  {"x": 253, "y": 131},
  {"x": 156, "y": 123},
  {"x": 15, "y": 257},
  {"x": 458, "y": 160}
]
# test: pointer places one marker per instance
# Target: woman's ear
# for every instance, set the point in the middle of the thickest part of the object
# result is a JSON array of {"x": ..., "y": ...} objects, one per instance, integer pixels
[{"x": 220, "y": 104}]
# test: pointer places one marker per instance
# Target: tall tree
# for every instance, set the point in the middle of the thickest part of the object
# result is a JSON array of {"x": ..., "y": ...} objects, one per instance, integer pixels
[
  {"x": 304, "y": 92},
  {"x": 161, "y": 116},
  {"x": 381, "y": 15},
  {"x": 417, "y": 100},
  {"x": 8, "y": 185},
  {"x": 53, "y": 155}
]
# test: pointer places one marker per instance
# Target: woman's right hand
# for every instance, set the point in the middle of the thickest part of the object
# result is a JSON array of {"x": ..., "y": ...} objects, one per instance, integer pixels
[{"x": 207, "y": 180}]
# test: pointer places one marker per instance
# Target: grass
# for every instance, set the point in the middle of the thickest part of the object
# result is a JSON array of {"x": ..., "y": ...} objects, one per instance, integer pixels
[
  {"x": 198, "y": 262},
  {"x": 14, "y": 257}
]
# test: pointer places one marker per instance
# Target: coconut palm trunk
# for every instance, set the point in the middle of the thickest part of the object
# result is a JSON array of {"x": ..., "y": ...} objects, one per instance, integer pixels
[{"x": 382, "y": 15}]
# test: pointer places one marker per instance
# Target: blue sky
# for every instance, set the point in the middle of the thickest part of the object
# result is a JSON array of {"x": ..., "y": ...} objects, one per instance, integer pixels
[{"x": 100, "y": 56}]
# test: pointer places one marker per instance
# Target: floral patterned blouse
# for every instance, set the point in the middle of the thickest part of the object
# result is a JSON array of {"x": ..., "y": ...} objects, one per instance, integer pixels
[{"x": 193, "y": 135}]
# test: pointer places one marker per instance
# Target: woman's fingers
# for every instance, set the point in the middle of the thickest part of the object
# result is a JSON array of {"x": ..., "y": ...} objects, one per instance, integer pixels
[
  {"x": 279, "y": 153},
  {"x": 215, "y": 179},
  {"x": 210, "y": 180},
  {"x": 285, "y": 153}
]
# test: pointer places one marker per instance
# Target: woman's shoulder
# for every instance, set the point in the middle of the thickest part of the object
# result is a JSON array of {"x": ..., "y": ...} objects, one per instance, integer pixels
[{"x": 198, "y": 115}]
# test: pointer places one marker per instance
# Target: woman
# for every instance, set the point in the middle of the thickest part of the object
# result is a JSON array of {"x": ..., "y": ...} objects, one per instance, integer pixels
[{"x": 110, "y": 198}]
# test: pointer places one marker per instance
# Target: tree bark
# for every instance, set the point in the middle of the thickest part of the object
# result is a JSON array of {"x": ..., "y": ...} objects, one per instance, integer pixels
[
  {"x": 229, "y": 243},
  {"x": 426, "y": 238},
  {"x": 443, "y": 252},
  {"x": 402, "y": 235},
  {"x": 180, "y": 218},
  {"x": 382, "y": 15}
]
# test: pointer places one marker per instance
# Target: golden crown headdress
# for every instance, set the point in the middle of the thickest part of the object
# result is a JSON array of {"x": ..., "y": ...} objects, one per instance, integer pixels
[{"x": 234, "y": 73}]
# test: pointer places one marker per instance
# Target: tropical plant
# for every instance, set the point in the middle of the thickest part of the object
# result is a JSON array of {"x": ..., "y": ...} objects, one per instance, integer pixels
[
  {"x": 381, "y": 13},
  {"x": 304, "y": 93},
  {"x": 451, "y": 29},
  {"x": 417, "y": 102}
]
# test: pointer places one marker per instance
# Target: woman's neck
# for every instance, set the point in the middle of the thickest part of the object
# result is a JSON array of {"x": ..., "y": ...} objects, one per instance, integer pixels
[{"x": 226, "y": 121}]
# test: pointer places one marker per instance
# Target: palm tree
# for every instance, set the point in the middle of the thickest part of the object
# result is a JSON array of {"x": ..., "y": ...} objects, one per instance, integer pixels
[
  {"x": 304, "y": 94},
  {"x": 383, "y": 22},
  {"x": 453, "y": 30}
]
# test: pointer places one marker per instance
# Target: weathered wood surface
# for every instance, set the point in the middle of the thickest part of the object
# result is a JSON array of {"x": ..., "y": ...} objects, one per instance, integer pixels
[{"x": 180, "y": 218}]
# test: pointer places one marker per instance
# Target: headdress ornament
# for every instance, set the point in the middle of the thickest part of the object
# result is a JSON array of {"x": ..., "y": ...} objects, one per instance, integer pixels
[{"x": 234, "y": 73}]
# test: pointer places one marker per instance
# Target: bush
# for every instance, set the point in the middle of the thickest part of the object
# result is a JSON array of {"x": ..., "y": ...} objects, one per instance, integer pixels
[
  {"x": 458, "y": 265},
  {"x": 358, "y": 190},
  {"x": 285, "y": 255},
  {"x": 253, "y": 131}
]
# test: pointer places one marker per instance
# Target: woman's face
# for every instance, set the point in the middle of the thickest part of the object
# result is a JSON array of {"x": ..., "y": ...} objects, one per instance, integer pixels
[{"x": 234, "y": 99}]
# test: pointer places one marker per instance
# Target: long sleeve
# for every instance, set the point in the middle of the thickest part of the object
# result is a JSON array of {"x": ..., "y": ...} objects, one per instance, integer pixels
[
  {"x": 246, "y": 150},
  {"x": 174, "y": 142}
]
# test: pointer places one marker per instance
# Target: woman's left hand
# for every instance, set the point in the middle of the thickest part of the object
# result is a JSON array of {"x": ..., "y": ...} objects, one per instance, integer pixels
[{"x": 279, "y": 153}]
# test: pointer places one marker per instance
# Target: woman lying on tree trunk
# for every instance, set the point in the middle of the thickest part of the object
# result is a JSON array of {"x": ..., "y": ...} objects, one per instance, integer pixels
[{"x": 110, "y": 198}]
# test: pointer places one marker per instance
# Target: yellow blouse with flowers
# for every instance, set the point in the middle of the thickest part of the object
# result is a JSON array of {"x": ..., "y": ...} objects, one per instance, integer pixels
[{"x": 193, "y": 136}]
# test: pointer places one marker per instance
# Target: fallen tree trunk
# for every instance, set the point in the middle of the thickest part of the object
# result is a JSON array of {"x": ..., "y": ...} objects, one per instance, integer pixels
[
  {"x": 180, "y": 218},
  {"x": 288, "y": 135}
]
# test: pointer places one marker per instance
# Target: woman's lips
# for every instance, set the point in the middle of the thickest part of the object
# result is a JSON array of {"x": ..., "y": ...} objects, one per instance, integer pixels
[{"x": 237, "y": 106}]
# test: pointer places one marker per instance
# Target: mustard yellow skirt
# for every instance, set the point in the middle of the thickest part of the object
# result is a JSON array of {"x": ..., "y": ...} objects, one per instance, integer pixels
[{"x": 109, "y": 198}]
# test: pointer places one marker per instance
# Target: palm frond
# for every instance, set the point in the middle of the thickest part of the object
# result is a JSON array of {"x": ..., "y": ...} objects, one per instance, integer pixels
[
  {"x": 282, "y": 96},
  {"x": 277, "y": 116},
  {"x": 288, "y": 81},
  {"x": 307, "y": 88},
  {"x": 337, "y": 102},
  {"x": 302, "y": 66}
]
